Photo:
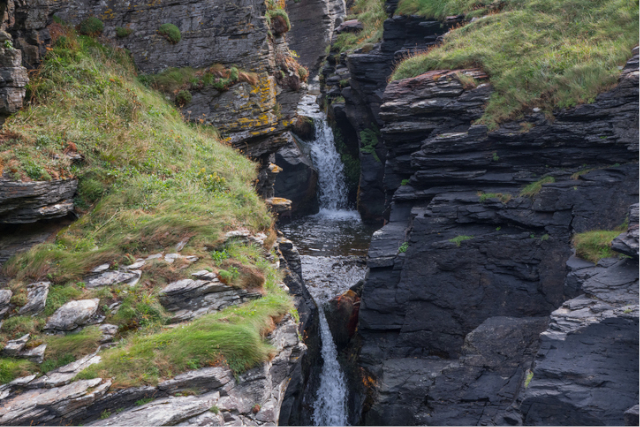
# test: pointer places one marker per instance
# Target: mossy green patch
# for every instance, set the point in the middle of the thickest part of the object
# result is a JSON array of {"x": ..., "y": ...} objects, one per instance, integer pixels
[
  {"x": 537, "y": 53},
  {"x": 458, "y": 239},
  {"x": 595, "y": 245},
  {"x": 534, "y": 188},
  {"x": 170, "y": 32},
  {"x": 91, "y": 26}
]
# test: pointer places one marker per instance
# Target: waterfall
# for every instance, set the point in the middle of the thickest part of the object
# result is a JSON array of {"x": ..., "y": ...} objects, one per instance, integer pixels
[
  {"x": 332, "y": 187},
  {"x": 330, "y": 407}
]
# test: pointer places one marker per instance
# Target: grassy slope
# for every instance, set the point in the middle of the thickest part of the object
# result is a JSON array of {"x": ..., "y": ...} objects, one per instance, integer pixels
[
  {"x": 148, "y": 180},
  {"x": 538, "y": 53},
  {"x": 372, "y": 15}
]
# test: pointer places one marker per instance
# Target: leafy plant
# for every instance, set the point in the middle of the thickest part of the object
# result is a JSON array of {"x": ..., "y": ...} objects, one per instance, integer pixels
[
  {"x": 170, "y": 32},
  {"x": 369, "y": 139},
  {"x": 405, "y": 182},
  {"x": 403, "y": 248},
  {"x": 219, "y": 256},
  {"x": 458, "y": 239}
]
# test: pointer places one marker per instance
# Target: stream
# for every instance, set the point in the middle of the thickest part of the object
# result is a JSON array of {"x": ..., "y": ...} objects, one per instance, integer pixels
[{"x": 332, "y": 245}]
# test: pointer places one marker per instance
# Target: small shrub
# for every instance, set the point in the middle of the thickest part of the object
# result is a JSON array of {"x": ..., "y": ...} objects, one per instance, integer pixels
[
  {"x": 183, "y": 98},
  {"x": 459, "y": 239},
  {"x": 170, "y": 32},
  {"x": 91, "y": 26},
  {"x": 214, "y": 409},
  {"x": 535, "y": 187},
  {"x": 303, "y": 73},
  {"x": 122, "y": 32},
  {"x": 403, "y": 248}
]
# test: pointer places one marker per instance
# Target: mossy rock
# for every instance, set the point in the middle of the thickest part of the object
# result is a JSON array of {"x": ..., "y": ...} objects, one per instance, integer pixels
[
  {"x": 91, "y": 26},
  {"x": 122, "y": 32},
  {"x": 170, "y": 32}
]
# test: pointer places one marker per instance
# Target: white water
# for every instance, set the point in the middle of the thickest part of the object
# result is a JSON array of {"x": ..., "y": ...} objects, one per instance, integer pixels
[{"x": 330, "y": 406}]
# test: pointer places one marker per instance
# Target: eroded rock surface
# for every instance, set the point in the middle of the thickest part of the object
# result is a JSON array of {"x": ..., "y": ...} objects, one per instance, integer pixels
[
  {"x": 27, "y": 202},
  {"x": 73, "y": 315}
]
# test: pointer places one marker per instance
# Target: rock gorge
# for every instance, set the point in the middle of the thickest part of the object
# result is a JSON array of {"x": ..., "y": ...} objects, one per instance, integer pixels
[{"x": 475, "y": 309}]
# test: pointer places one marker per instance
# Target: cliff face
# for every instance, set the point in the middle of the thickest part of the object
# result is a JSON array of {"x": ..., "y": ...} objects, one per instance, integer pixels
[{"x": 457, "y": 312}]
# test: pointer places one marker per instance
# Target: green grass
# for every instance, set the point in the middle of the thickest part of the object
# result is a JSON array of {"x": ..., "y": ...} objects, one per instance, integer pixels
[
  {"x": 170, "y": 32},
  {"x": 371, "y": 13},
  {"x": 148, "y": 181},
  {"x": 504, "y": 197},
  {"x": 595, "y": 245},
  {"x": 528, "y": 379},
  {"x": 276, "y": 13},
  {"x": 535, "y": 187},
  {"x": 458, "y": 239},
  {"x": 10, "y": 369},
  {"x": 91, "y": 26},
  {"x": 122, "y": 32},
  {"x": 233, "y": 337},
  {"x": 537, "y": 53}
]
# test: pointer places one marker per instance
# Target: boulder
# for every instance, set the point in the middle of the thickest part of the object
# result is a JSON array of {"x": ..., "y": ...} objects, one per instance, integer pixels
[
  {"x": 73, "y": 315},
  {"x": 13, "y": 347},
  {"x": 36, "y": 298},
  {"x": 351, "y": 26},
  {"x": 109, "y": 278},
  {"x": 298, "y": 179},
  {"x": 5, "y": 299}
]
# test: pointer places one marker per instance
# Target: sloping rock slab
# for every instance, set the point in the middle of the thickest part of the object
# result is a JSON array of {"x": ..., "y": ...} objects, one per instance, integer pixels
[
  {"x": 26, "y": 202},
  {"x": 627, "y": 242},
  {"x": 36, "y": 298}
]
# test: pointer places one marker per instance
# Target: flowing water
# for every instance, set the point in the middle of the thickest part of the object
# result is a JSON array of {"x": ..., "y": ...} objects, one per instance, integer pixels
[{"x": 332, "y": 245}]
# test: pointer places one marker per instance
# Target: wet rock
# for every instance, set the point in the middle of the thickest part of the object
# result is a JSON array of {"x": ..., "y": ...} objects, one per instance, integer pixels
[
  {"x": 36, "y": 298},
  {"x": 627, "y": 242},
  {"x": 28, "y": 202},
  {"x": 73, "y": 315},
  {"x": 298, "y": 179},
  {"x": 13, "y": 347}
]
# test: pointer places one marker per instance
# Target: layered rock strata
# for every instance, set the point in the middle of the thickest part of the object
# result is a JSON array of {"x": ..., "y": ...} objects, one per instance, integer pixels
[{"x": 477, "y": 244}]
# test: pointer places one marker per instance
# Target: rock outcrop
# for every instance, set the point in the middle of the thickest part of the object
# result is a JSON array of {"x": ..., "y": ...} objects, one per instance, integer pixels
[
  {"x": 28, "y": 202},
  {"x": 485, "y": 221},
  {"x": 298, "y": 179}
]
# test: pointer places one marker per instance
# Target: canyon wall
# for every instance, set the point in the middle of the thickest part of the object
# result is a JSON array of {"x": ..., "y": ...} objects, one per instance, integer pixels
[{"x": 475, "y": 302}]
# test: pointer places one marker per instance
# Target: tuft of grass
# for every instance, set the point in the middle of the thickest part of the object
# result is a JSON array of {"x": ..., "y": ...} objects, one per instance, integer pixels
[
  {"x": 504, "y": 197},
  {"x": 91, "y": 26},
  {"x": 17, "y": 326},
  {"x": 144, "y": 401},
  {"x": 234, "y": 336},
  {"x": 458, "y": 239},
  {"x": 122, "y": 32},
  {"x": 595, "y": 245},
  {"x": 278, "y": 14},
  {"x": 214, "y": 409},
  {"x": 403, "y": 247},
  {"x": 371, "y": 13},
  {"x": 58, "y": 296},
  {"x": 528, "y": 379},
  {"x": 538, "y": 53},
  {"x": 170, "y": 32},
  {"x": 183, "y": 98},
  {"x": 10, "y": 369},
  {"x": 535, "y": 187}
]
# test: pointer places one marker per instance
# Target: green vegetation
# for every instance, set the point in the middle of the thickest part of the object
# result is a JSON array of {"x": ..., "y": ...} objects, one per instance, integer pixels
[
  {"x": 405, "y": 182},
  {"x": 544, "y": 237},
  {"x": 175, "y": 80},
  {"x": 144, "y": 401},
  {"x": 369, "y": 139},
  {"x": 183, "y": 98},
  {"x": 278, "y": 15},
  {"x": 504, "y": 197},
  {"x": 371, "y": 14},
  {"x": 495, "y": 157},
  {"x": 170, "y": 32},
  {"x": 91, "y": 26},
  {"x": 148, "y": 181},
  {"x": 595, "y": 245},
  {"x": 528, "y": 379},
  {"x": 338, "y": 100},
  {"x": 403, "y": 248},
  {"x": 351, "y": 163},
  {"x": 537, "y": 53},
  {"x": 233, "y": 336},
  {"x": 214, "y": 409},
  {"x": 122, "y": 32},
  {"x": 303, "y": 73},
  {"x": 535, "y": 187},
  {"x": 457, "y": 240}
]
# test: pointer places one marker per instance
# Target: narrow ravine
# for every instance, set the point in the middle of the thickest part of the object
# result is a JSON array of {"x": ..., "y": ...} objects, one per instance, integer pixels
[{"x": 332, "y": 244}]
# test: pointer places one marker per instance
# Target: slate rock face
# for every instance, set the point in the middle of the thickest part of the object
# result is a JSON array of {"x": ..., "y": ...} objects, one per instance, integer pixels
[
  {"x": 627, "y": 243},
  {"x": 36, "y": 298},
  {"x": 28, "y": 202},
  {"x": 477, "y": 249}
]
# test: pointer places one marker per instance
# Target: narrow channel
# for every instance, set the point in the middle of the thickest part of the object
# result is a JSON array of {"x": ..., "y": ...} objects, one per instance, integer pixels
[{"x": 332, "y": 244}]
